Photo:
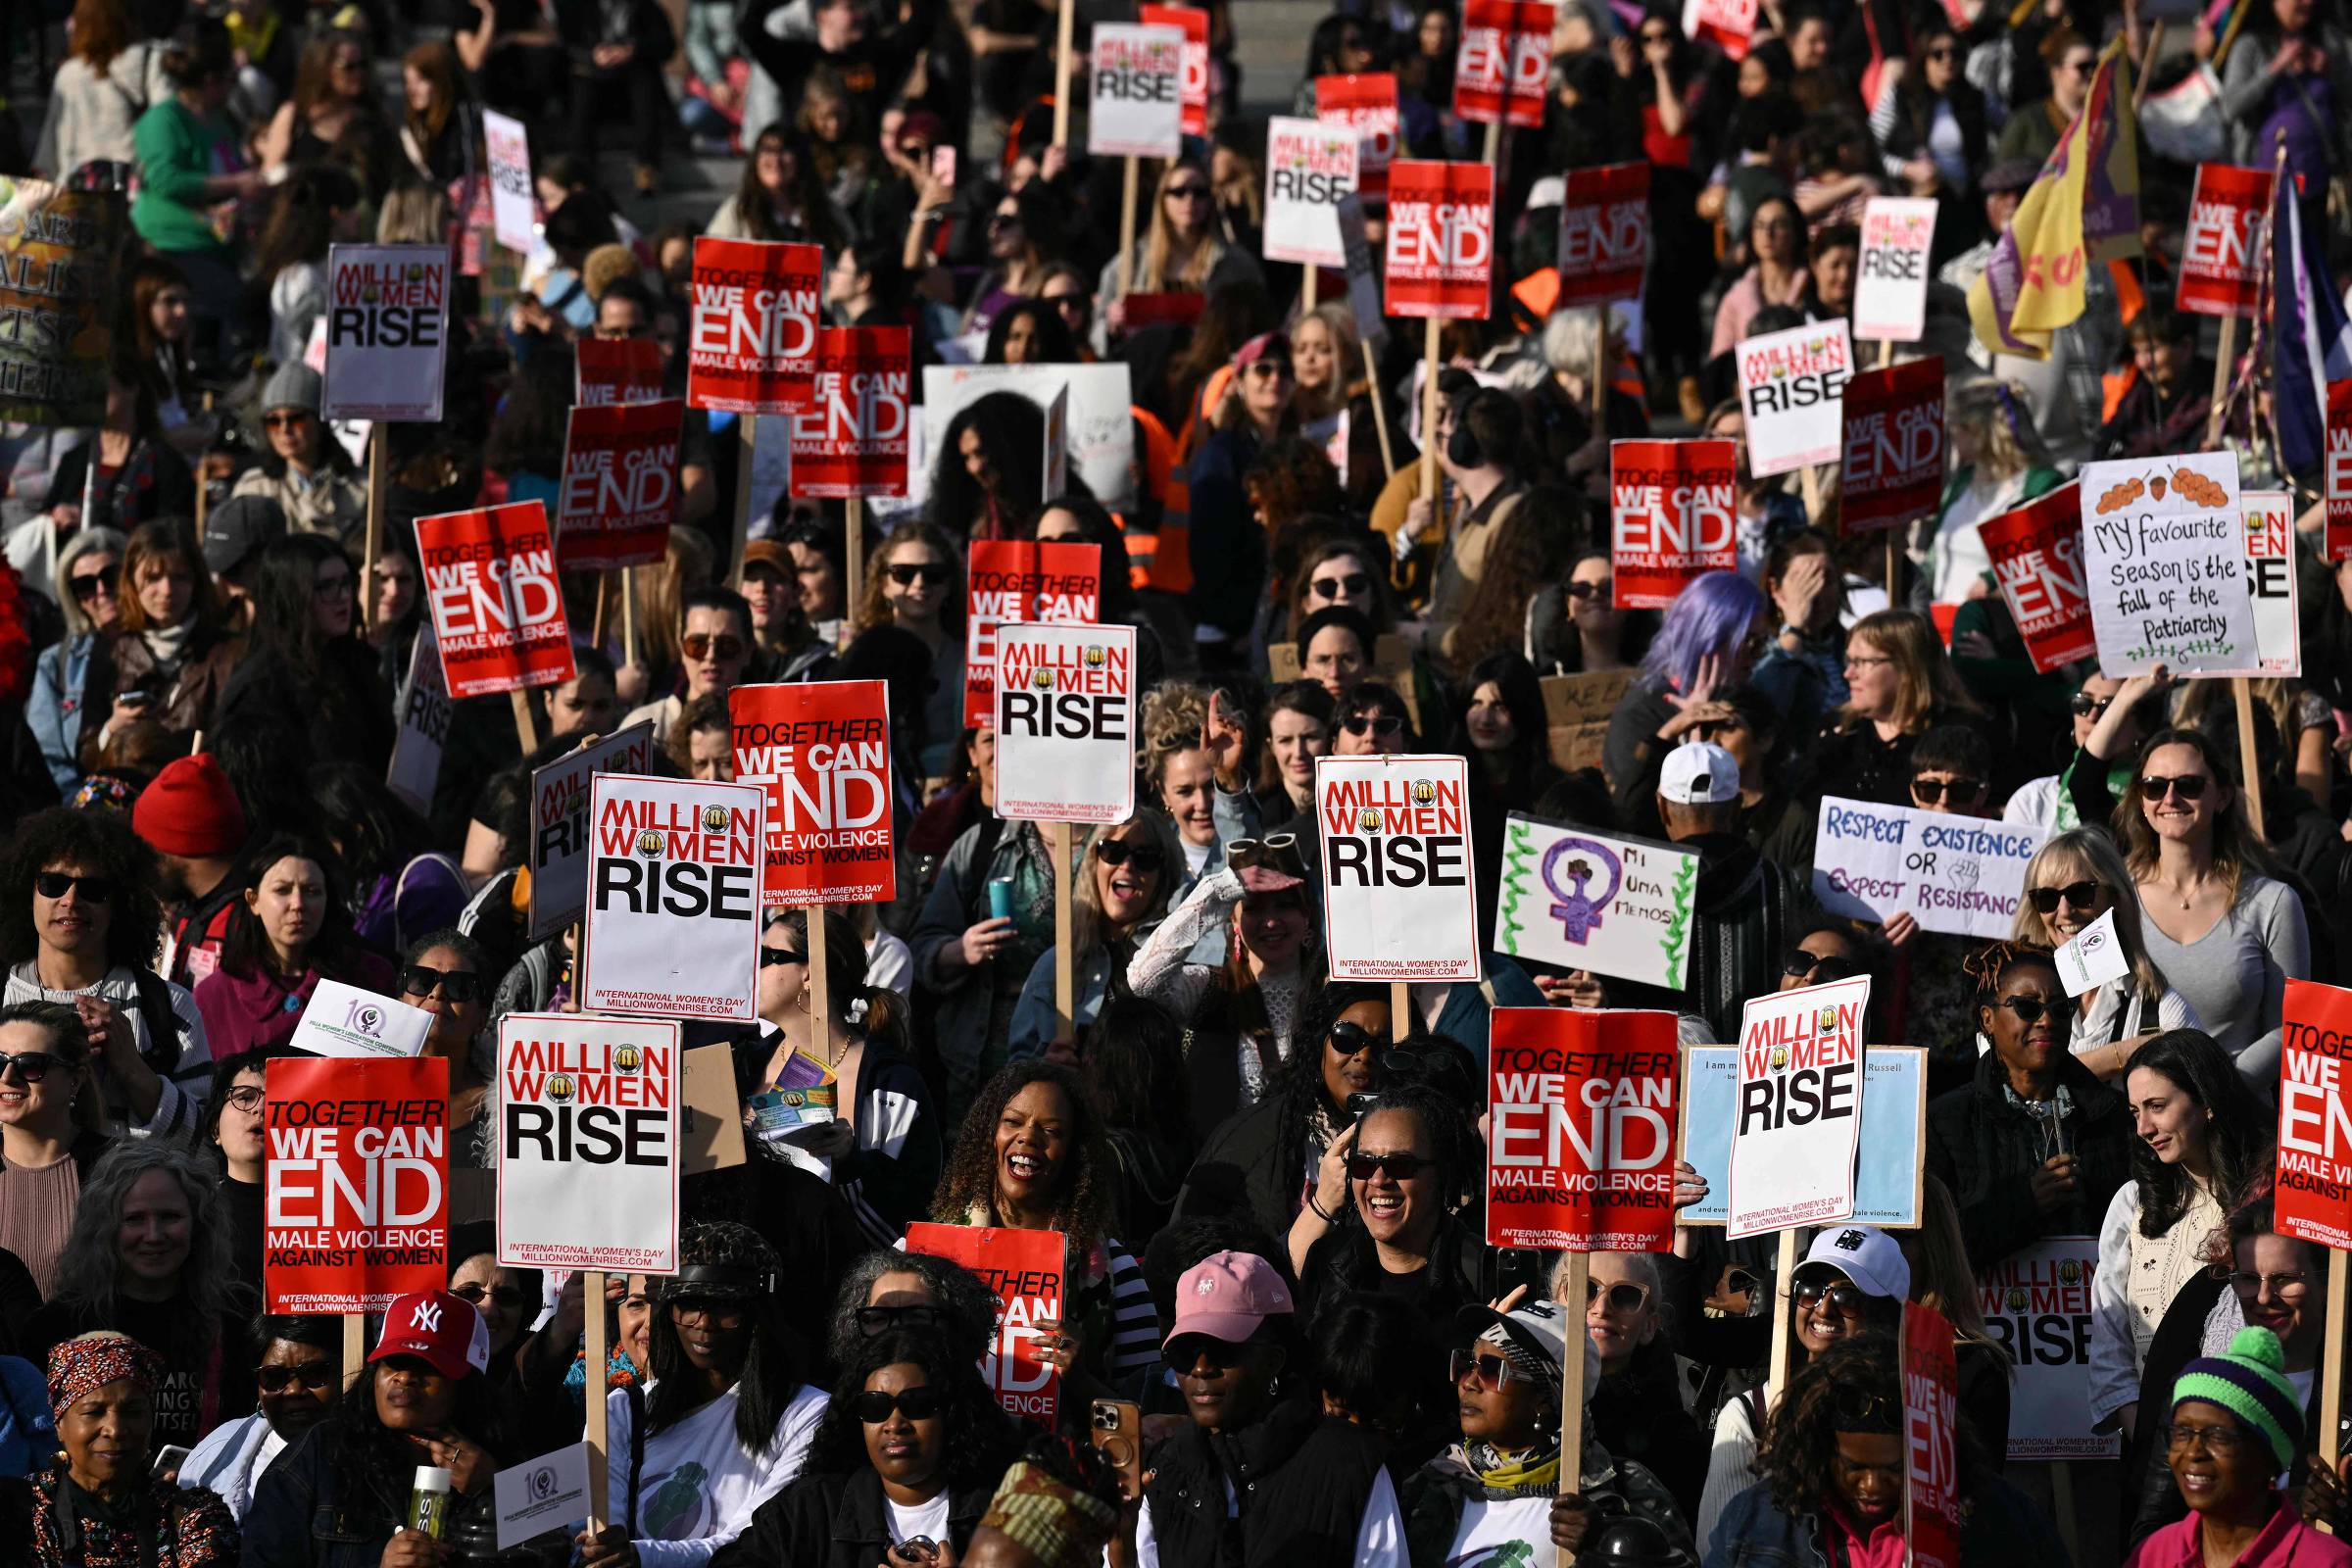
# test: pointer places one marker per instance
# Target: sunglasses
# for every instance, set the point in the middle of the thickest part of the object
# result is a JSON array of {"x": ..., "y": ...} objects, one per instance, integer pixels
[
  {"x": 2081, "y": 895},
  {"x": 907, "y": 573},
  {"x": 1004, "y": 221},
  {"x": 1931, "y": 791},
  {"x": 29, "y": 1066},
  {"x": 1354, "y": 584},
  {"x": 1353, "y": 1039},
  {"x": 1383, "y": 725},
  {"x": 1943, "y": 54},
  {"x": 1800, "y": 963},
  {"x": 1845, "y": 1299},
  {"x": 701, "y": 645},
  {"x": 1275, "y": 370},
  {"x": 2085, "y": 706},
  {"x": 1401, "y": 1167},
  {"x": 1144, "y": 858},
  {"x": 1188, "y": 193},
  {"x": 769, "y": 957},
  {"x": 1591, "y": 590},
  {"x": 1493, "y": 1371},
  {"x": 88, "y": 889},
  {"x": 1243, "y": 854},
  {"x": 504, "y": 1296},
  {"x": 284, "y": 422},
  {"x": 1741, "y": 1281},
  {"x": 1068, "y": 304},
  {"x": 873, "y": 1320},
  {"x": 2188, "y": 786},
  {"x": 90, "y": 584},
  {"x": 873, "y": 1406},
  {"x": 1623, "y": 1296},
  {"x": 278, "y": 1379},
  {"x": 2029, "y": 1010},
  {"x": 457, "y": 985},
  {"x": 1187, "y": 1351},
  {"x": 245, "y": 1098}
]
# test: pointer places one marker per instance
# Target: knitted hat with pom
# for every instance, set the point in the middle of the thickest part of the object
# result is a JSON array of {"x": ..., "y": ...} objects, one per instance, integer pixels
[{"x": 2250, "y": 1382}]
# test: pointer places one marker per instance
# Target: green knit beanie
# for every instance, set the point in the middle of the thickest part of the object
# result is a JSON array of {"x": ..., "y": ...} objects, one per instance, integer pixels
[{"x": 2250, "y": 1382}]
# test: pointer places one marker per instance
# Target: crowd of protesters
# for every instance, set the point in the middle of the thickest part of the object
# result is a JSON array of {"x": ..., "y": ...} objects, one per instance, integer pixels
[{"x": 1268, "y": 1181}]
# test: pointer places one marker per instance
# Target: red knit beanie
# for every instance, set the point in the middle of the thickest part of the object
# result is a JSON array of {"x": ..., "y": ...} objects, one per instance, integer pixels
[{"x": 190, "y": 811}]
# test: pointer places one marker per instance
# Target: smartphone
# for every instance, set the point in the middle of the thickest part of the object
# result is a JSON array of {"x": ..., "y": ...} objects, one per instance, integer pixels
[
  {"x": 943, "y": 166},
  {"x": 1116, "y": 1427},
  {"x": 1519, "y": 1265},
  {"x": 1362, "y": 1104},
  {"x": 168, "y": 1459}
]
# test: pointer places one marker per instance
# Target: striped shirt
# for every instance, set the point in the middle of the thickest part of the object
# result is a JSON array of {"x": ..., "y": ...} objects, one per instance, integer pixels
[{"x": 180, "y": 1112}]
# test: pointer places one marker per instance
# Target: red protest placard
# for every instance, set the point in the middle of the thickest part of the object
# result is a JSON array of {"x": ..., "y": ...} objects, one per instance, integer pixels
[
  {"x": 1931, "y": 1450},
  {"x": 498, "y": 611},
  {"x": 1580, "y": 1130},
  {"x": 1440, "y": 252},
  {"x": 1013, "y": 579},
  {"x": 1728, "y": 24},
  {"x": 1173, "y": 307},
  {"x": 1672, "y": 515},
  {"x": 1893, "y": 446},
  {"x": 1194, "y": 84},
  {"x": 356, "y": 1181},
  {"x": 1500, "y": 69},
  {"x": 822, "y": 753},
  {"x": 2037, "y": 559},
  {"x": 2313, "y": 1194},
  {"x": 1368, "y": 104},
  {"x": 620, "y": 485},
  {"x": 751, "y": 346},
  {"x": 2220, "y": 271},
  {"x": 615, "y": 370},
  {"x": 851, "y": 440},
  {"x": 2338, "y": 540},
  {"x": 1604, "y": 234},
  {"x": 1025, "y": 1270}
]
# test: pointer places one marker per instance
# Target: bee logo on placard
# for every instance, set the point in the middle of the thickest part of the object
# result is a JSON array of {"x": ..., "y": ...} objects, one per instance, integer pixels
[
  {"x": 2016, "y": 1299},
  {"x": 1779, "y": 1057},
  {"x": 1828, "y": 1020},
  {"x": 2070, "y": 1271},
  {"x": 1042, "y": 679}
]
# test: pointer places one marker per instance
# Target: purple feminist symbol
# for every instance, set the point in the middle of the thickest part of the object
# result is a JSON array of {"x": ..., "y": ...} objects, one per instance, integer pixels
[{"x": 1579, "y": 910}]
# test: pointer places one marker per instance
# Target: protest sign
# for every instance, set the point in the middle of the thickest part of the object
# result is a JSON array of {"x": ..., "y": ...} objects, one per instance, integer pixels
[
  {"x": 1582, "y": 899},
  {"x": 425, "y": 712},
  {"x": 588, "y": 1144},
  {"x": 1579, "y": 1131},
  {"x": 2169, "y": 580},
  {"x": 341, "y": 1021},
  {"x": 1399, "y": 901},
  {"x": 822, "y": 751},
  {"x": 1577, "y": 710},
  {"x": 2221, "y": 261},
  {"x": 1311, "y": 165},
  {"x": 752, "y": 344},
  {"x": 1894, "y": 441},
  {"x": 1799, "y": 1109},
  {"x": 540, "y": 1495},
  {"x": 2314, "y": 1188},
  {"x": 1931, "y": 1509},
  {"x": 1138, "y": 75},
  {"x": 1891, "y": 285},
  {"x": 2093, "y": 958},
  {"x": 1025, "y": 1271},
  {"x": 1016, "y": 580},
  {"x": 1192, "y": 22},
  {"x": 60, "y": 251},
  {"x": 620, "y": 485},
  {"x": 615, "y": 370},
  {"x": 1367, "y": 106},
  {"x": 2336, "y": 543},
  {"x": 1728, "y": 24},
  {"x": 1604, "y": 234},
  {"x": 1791, "y": 387},
  {"x": 387, "y": 332},
  {"x": 512, "y": 212},
  {"x": 558, "y": 846},
  {"x": 1502, "y": 62},
  {"x": 2270, "y": 538},
  {"x": 672, "y": 923},
  {"x": 710, "y": 1121},
  {"x": 1671, "y": 517},
  {"x": 1962, "y": 875},
  {"x": 1065, "y": 707},
  {"x": 851, "y": 440},
  {"x": 355, "y": 1181},
  {"x": 1101, "y": 427},
  {"x": 1889, "y": 1169},
  {"x": 497, "y": 608},
  {"x": 1363, "y": 278},
  {"x": 2037, "y": 556},
  {"x": 1440, "y": 245},
  {"x": 2036, "y": 1306}
]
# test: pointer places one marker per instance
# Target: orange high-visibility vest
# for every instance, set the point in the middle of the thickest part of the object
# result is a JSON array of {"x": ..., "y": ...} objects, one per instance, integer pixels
[{"x": 1161, "y": 558}]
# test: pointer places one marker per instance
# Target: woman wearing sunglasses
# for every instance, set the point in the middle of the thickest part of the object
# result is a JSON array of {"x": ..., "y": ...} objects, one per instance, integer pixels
[
  {"x": 1343, "y": 575},
  {"x": 888, "y": 1291},
  {"x": 913, "y": 582},
  {"x": 1123, "y": 885},
  {"x": 292, "y": 931},
  {"x": 298, "y": 1372},
  {"x": 442, "y": 973},
  {"x": 2226, "y": 933},
  {"x": 88, "y": 589},
  {"x": 1573, "y": 626},
  {"x": 1372, "y": 721},
  {"x": 1635, "y": 1407},
  {"x": 2072, "y": 880},
  {"x": 306, "y": 469},
  {"x": 1384, "y": 1212},
  {"x": 900, "y": 1470}
]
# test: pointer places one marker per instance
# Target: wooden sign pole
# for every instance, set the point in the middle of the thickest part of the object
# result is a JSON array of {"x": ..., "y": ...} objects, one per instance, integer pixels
[
  {"x": 1380, "y": 412},
  {"x": 599, "y": 1430},
  {"x": 1784, "y": 1320},
  {"x": 1572, "y": 1380},
  {"x": 2241, "y": 692},
  {"x": 1127, "y": 201},
  {"x": 821, "y": 1010},
  {"x": 379, "y": 481},
  {"x": 855, "y": 558},
  {"x": 628, "y": 614},
  {"x": 1429, "y": 409},
  {"x": 1066, "y": 974},
  {"x": 526, "y": 728},
  {"x": 2332, "y": 1358},
  {"x": 1062, "y": 31},
  {"x": 355, "y": 1346}
]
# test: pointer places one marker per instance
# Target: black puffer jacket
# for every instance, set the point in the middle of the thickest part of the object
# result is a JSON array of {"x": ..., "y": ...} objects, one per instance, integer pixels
[
  {"x": 837, "y": 1519},
  {"x": 1299, "y": 1478},
  {"x": 1987, "y": 1149}
]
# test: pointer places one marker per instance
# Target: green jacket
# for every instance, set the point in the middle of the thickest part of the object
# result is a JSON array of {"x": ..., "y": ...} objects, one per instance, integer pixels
[{"x": 178, "y": 154}]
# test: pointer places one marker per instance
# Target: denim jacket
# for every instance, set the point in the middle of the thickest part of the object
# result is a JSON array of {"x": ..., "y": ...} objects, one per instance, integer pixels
[
  {"x": 2003, "y": 1531},
  {"x": 54, "y": 710}
]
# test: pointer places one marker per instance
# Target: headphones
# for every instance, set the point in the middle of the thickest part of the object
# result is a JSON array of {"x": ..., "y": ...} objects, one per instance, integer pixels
[{"x": 1462, "y": 448}]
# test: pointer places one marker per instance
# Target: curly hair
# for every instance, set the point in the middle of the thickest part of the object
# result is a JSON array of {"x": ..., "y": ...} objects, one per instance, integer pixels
[
  {"x": 88, "y": 1268},
  {"x": 872, "y": 608},
  {"x": 1853, "y": 1386},
  {"x": 103, "y": 845},
  {"x": 1088, "y": 1187},
  {"x": 1538, "y": 541},
  {"x": 1174, "y": 714},
  {"x": 1290, "y": 481},
  {"x": 1991, "y": 964},
  {"x": 979, "y": 1438}
]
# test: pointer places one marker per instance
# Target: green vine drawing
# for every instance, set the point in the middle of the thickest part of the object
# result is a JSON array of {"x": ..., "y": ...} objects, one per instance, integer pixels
[
  {"x": 1678, "y": 929},
  {"x": 1515, "y": 871}
]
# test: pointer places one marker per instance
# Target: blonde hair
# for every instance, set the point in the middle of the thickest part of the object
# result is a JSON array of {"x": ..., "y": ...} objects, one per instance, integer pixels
[
  {"x": 1928, "y": 682},
  {"x": 414, "y": 213},
  {"x": 1347, "y": 361},
  {"x": 1088, "y": 927},
  {"x": 1174, "y": 715},
  {"x": 2092, "y": 852},
  {"x": 688, "y": 563},
  {"x": 2007, "y": 442},
  {"x": 1153, "y": 275}
]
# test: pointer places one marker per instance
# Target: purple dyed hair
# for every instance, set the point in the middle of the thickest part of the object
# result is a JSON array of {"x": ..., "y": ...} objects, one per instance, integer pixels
[{"x": 1712, "y": 616}]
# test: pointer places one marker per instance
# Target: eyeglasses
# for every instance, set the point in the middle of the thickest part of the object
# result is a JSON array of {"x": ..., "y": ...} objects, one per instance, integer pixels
[
  {"x": 769, "y": 957},
  {"x": 1623, "y": 1296},
  {"x": 701, "y": 645},
  {"x": 1402, "y": 1166},
  {"x": 457, "y": 985},
  {"x": 1272, "y": 369},
  {"x": 905, "y": 572},
  {"x": 1068, "y": 304},
  {"x": 1353, "y": 584},
  {"x": 1190, "y": 1350},
  {"x": 2077, "y": 894},
  {"x": 2219, "y": 1439},
  {"x": 289, "y": 421},
  {"x": 2251, "y": 1286},
  {"x": 873, "y": 1406},
  {"x": 1931, "y": 791},
  {"x": 29, "y": 1066},
  {"x": 1383, "y": 725},
  {"x": 278, "y": 1379},
  {"x": 335, "y": 587},
  {"x": 90, "y": 584},
  {"x": 1353, "y": 1039},
  {"x": 1188, "y": 193},
  {"x": 246, "y": 1098},
  {"x": 1004, "y": 221},
  {"x": 1144, "y": 858},
  {"x": 2188, "y": 786},
  {"x": 1944, "y": 52},
  {"x": 1845, "y": 1299},
  {"x": 1865, "y": 660},
  {"x": 2085, "y": 706},
  {"x": 2029, "y": 1010},
  {"x": 873, "y": 1320},
  {"x": 504, "y": 1296},
  {"x": 1591, "y": 590},
  {"x": 1243, "y": 854},
  {"x": 87, "y": 889}
]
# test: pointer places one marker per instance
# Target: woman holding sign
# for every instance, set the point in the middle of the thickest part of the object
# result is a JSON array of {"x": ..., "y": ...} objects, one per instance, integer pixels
[
  {"x": 1122, "y": 884},
  {"x": 2073, "y": 881}
]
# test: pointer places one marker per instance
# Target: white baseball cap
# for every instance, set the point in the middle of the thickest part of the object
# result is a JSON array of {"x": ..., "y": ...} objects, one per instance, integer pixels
[
  {"x": 1864, "y": 1254},
  {"x": 1700, "y": 774}
]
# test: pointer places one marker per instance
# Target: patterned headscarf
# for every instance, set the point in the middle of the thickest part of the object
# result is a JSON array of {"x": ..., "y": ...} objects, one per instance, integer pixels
[
  {"x": 94, "y": 1360},
  {"x": 1061, "y": 1525}
]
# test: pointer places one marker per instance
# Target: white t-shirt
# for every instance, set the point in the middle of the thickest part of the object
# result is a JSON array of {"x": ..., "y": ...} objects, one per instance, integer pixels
[
  {"x": 929, "y": 1520},
  {"x": 1518, "y": 1530},
  {"x": 698, "y": 1488},
  {"x": 1379, "y": 1540}
]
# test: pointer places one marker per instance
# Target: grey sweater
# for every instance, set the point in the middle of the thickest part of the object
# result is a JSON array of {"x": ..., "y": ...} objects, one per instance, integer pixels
[{"x": 2235, "y": 976}]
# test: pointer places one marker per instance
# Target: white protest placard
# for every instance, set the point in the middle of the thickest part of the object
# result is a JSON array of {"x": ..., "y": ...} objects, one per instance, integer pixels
[
  {"x": 425, "y": 712},
  {"x": 1961, "y": 875},
  {"x": 1137, "y": 109},
  {"x": 1101, "y": 425},
  {"x": 1793, "y": 393},
  {"x": 511, "y": 209},
  {"x": 1399, "y": 901},
  {"x": 1065, "y": 722},
  {"x": 2270, "y": 538},
  {"x": 1310, "y": 166},
  {"x": 2036, "y": 1306},
  {"x": 559, "y": 847},
  {"x": 1582, "y": 899},
  {"x": 541, "y": 1494},
  {"x": 343, "y": 1020},
  {"x": 1800, "y": 1108},
  {"x": 672, "y": 922},
  {"x": 387, "y": 332},
  {"x": 588, "y": 1150},
  {"x": 2169, "y": 580},
  {"x": 1891, "y": 285},
  {"x": 2094, "y": 957}
]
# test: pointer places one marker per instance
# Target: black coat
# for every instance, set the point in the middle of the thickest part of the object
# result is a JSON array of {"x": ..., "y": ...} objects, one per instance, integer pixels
[
  {"x": 837, "y": 1519},
  {"x": 1985, "y": 1150},
  {"x": 1300, "y": 1480},
  {"x": 303, "y": 1517},
  {"x": 1242, "y": 1172}
]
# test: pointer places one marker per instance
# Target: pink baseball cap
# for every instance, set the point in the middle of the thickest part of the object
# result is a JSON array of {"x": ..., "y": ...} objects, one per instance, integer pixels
[{"x": 1226, "y": 1295}]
